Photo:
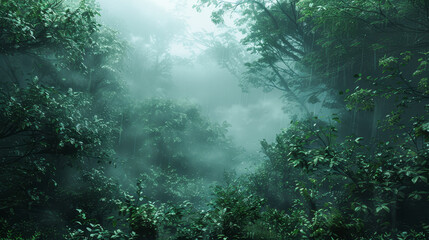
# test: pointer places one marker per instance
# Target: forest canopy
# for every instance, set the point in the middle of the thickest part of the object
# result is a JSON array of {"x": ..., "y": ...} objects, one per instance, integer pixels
[{"x": 83, "y": 158}]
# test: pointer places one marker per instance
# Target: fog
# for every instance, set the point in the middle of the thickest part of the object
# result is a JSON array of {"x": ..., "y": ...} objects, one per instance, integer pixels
[
  {"x": 214, "y": 120},
  {"x": 171, "y": 30}
]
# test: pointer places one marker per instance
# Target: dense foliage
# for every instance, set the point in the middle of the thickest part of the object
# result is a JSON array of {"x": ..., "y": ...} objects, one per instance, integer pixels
[{"x": 80, "y": 160}]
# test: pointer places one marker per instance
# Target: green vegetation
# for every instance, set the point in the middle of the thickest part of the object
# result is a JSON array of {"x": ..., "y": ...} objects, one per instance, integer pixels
[{"x": 80, "y": 159}]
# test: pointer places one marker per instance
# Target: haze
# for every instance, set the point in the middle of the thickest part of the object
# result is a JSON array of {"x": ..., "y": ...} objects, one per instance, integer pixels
[{"x": 214, "y": 120}]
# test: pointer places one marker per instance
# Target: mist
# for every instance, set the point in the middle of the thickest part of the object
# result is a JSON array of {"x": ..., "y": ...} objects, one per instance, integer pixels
[
  {"x": 169, "y": 30},
  {"x": 166, "y": 119}
]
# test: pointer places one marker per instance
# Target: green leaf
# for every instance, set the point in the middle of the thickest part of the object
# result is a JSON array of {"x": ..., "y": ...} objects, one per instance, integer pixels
[
  {"x": 382, "y": 207},
  {"x": 416, "y": 178},
  {"x": 358, "y": 140},
  {"x": 336, "y": 119}
]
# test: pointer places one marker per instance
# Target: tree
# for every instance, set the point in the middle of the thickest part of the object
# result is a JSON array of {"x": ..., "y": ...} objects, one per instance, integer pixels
[
  {"x": 34, "y": 26},
  {"x": 306, "y": 48},
  {"x": 274, "y": 33},
  {"x": 374, "y": 188},
  {"x": 375, "y": 181},
  {"x": 42, "y": 132},
  {"x": 49, "y": 125},
  {"x": 168, "y": 134}
]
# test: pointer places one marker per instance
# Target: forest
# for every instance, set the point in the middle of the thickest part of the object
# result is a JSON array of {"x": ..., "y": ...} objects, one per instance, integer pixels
[{"x": 289, "y": 119}]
